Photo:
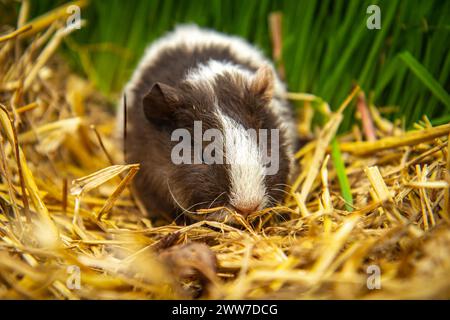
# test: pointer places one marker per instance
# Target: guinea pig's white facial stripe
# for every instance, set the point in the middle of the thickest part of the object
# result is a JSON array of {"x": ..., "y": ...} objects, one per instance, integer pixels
[{"x": 247, "y": 189}]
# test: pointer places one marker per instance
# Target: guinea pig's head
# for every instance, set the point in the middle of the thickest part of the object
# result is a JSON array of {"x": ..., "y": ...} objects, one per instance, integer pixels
[{"x": 225, "y": 145}]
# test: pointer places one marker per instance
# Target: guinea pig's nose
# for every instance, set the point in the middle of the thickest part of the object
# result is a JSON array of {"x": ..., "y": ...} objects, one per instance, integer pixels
[{"x": 247, "y": 209}]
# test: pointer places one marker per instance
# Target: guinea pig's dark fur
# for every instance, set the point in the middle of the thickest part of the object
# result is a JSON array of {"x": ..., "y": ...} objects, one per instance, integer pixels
[{"x": 191, "y": 75}]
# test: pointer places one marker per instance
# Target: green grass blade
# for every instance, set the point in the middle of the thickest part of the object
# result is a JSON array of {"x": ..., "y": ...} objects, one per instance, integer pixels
[
  {"x": 426, "y": 78},
  {"x": 342, "y": 177}
]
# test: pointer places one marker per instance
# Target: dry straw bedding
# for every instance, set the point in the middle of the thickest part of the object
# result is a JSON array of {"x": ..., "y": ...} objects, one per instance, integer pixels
[{"x": 66, "y": 205}]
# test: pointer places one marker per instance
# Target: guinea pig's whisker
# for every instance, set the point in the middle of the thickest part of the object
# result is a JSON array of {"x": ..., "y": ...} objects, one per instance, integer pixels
[
  {"x": 271, "y": 200},
  {"x": 196, "y": 204},
  {"x": 273, "y": 203},
  {"x": 216, "y": 199},
  {"x": 191, "y": 212},
  {"x": 281, "y": 190},
  {"x": 176, "y": 201},
  {"x": 283, "y": 185}
]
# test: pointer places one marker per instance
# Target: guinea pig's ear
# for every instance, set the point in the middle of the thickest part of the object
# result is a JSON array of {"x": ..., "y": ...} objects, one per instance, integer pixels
[
  {"x": 160, "y": 103},
  {"x": 262, "y": 84}
]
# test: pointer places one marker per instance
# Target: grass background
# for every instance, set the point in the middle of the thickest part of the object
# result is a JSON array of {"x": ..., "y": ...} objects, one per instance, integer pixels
[{"x": 326, "y": 45}]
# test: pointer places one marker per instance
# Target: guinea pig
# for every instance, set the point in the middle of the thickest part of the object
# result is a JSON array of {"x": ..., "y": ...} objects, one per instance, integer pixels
[{"x": 193, "y": 81}]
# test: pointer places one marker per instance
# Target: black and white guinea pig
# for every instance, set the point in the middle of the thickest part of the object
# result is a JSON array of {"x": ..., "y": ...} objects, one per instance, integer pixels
[{"x": 195, "y": 78}]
